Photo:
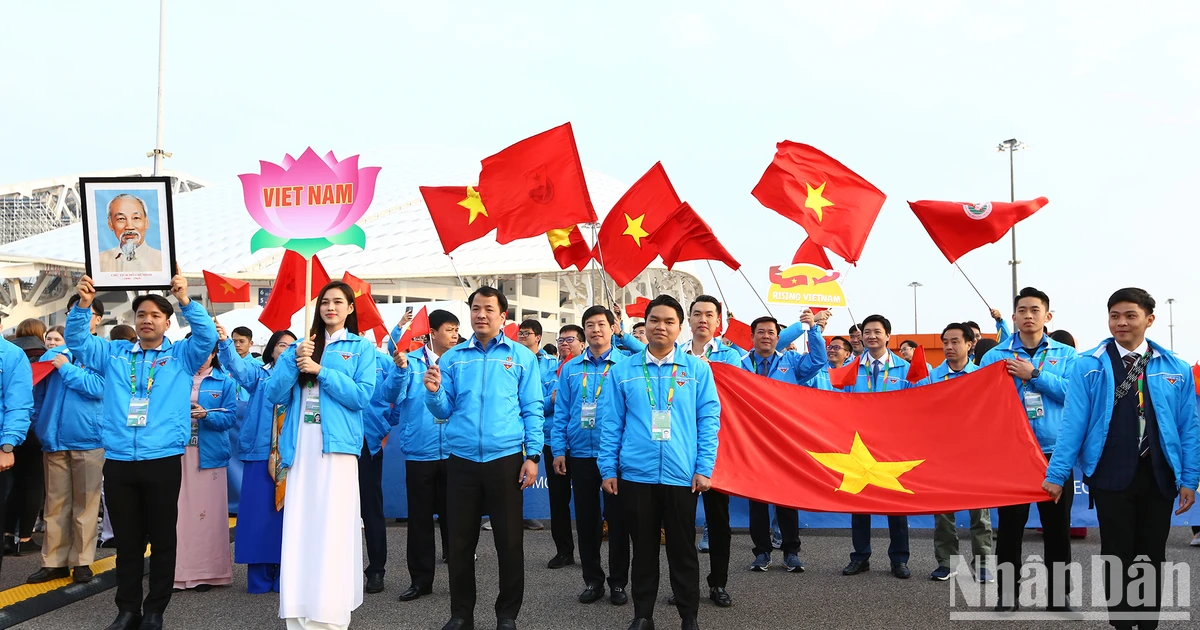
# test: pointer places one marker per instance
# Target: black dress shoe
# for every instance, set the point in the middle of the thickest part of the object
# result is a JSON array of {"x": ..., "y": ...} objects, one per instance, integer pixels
[
  {"x": 126, "y": 621},
  {"x": 374, "y": 583},
  {"x": 689, "y": 624},
  {"x": 857, "y": 566},
  {"x": 46, "y": 574},
  {"x": 414, "y": 592},
  {"x": 152, "y": 621},
  {"x": 641, "y": 623},
  {"x": 618, "y": 596},
  {"x": 202, "y": 588},
  {"x": 900, "y": 570},
  {"x": 672, "y": 601},
  {"x": 82, "y": 575},
  {"x": 506, "y": 624},
  {"x": 560, "y": 561},
  {"x": 591, "y": 594},
  {"x": 458, "y": 624},
  {"x": 720, "y": 597}
]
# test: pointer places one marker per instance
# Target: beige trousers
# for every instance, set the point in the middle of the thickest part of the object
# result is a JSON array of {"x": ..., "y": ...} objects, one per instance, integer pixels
[{"x": 73, "y": 480}]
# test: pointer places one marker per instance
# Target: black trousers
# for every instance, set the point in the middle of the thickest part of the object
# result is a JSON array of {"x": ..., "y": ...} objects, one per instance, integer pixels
[
  {"x": 143, "y": 505},
  {"x": 649, "y": 508},
  {"x": 5, "y": 482},
  {"x": 586, "y": 479},
  {"x": 1056, "y": 537},
  {"x": 28, "y": 494},
  {"x": 716, "y": 518},
  {"x": 760, "y": 528},
  {"x": 370, "y": 500},
  {"x": 560, "y": 505},
  {"x": 1134, "y": 522},
  {"x": 491, "y": 488},
  {"x": 426, "y": 484}
]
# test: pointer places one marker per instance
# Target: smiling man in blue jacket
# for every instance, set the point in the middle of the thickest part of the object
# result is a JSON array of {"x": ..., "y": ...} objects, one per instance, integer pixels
[
  {"x": 147, "y": 424},
  {"x": 658, "y": 446},
  {"x": 490, "y": 392},
  {"x": 1040, "y": 368},
  {"x": 1130, "y": 423}
]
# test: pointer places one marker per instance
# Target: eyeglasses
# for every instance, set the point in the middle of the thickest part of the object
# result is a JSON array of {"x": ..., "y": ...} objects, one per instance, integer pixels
[
  {"x": 837, "y": 348},
  {"x": 525, "y": 333},
  {"x": 565, "y": 340}
]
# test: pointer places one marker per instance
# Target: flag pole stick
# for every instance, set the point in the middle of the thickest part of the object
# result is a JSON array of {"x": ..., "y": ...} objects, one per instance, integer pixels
[
  {"x": 964, "y": 275},
  {"x": 462, "y": 285},
  {"x": 752, "y": 289},
  {"x": 308, "y": 290},
  {"x": 603, "y": 280},
  {"x": 844, "y": 276},
  {"x": 720, "y": 291}
]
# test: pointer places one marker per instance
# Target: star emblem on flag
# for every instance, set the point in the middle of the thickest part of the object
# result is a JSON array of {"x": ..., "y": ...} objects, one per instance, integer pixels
[
  {"x": 474, "y": 204},
  {"x": 860, "y": 469},
  {"x": 633, "y": 228},
  {"x": 816, "y": 200}
]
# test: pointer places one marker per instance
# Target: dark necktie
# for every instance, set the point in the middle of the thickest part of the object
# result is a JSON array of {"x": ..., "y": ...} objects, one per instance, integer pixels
[
  {"x": 875, "y": 374},
  {"x": 1131, "y": 360},
  {"x": 764, "y": 367}
]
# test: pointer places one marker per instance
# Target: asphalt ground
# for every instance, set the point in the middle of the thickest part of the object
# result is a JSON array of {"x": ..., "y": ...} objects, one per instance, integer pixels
[{"x": 818, "y": 598}]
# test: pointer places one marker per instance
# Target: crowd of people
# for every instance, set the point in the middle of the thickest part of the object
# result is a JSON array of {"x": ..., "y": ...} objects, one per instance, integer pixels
[{"x": 626, "y": 425}]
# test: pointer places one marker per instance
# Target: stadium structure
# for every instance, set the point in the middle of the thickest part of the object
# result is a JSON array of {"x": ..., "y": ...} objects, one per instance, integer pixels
[{"x": 403, "y": 260}]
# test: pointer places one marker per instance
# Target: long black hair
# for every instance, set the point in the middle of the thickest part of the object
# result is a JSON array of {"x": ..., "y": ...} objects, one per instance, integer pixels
[
  {"x": 317, "y": 331},
  {"x": 268, "y": 354}
]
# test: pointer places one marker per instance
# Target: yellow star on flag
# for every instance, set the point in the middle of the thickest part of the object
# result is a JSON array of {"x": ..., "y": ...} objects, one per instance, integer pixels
[
  {"x": 560, "y": 237},
  {"x": 228, "y": 287},
  {"x": 816, "y": 201},
  {"x": 860, "y": 469},
  {"x": 633, "y": 227},
  {"x": 473, "y": 203}
]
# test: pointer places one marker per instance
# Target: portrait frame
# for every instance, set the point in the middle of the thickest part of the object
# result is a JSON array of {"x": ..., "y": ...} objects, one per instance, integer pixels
[{"x": 122, "y": 250}]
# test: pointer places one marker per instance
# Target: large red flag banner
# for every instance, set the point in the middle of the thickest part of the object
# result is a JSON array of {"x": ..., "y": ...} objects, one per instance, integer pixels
[
  {"x": 623, "y": 246},
  {"x": 885, "y": 453},
  {"x": 958, "y": 228}
]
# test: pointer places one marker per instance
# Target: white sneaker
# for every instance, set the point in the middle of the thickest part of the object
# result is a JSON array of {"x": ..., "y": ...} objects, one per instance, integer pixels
[{"x": 1196, "y": 540}]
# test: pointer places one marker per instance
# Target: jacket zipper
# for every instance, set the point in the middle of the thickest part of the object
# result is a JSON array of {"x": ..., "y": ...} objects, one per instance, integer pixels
[{"x": 482, "y": 388}]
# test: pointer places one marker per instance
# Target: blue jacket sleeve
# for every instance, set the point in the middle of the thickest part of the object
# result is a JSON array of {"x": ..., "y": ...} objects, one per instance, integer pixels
[
  {"x": 1002, "y": 331},
  {"x": 812, "y": 362},
  {"x": 1077, "y": 415},
  {"x": 549, "y": 386},
  {"x": 1188, "y": 425},
  {"x": 441, "y": 402},
  {"x": 283, "y": 377},
  {"x": 708, "y": 422},
  {"x": 82, "y": 380},
  {"x": 1052, "y": 385},
  {"x": 90, "y": 349},
  {"x": 790, "y": 334},
  {"x": 352, "y": 392},
  {"x": 223, "y": 420},
  {"x": 633, "y": 344},
  {"x": 203, "y": 341},
  {"x": 529, "y": 397},
  {"x": 395, "y": 388},
  {"x": 243, "y": 371},
  {"x": 610, "y": 415},
  {"x": 562, "y": 415},
  {"x": 18, "y": 397}
]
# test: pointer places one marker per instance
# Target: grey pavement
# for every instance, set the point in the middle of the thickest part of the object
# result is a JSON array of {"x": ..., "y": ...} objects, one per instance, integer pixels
[{"x": 818, "y": 598}]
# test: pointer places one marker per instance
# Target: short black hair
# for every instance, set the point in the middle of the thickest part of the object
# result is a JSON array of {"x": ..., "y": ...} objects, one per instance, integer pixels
[
  {"x": 550, "y": 349},
  {"x": 486, "y": 291},
  {"x": 159, "y": 301},
  {"x": 672, "y": 303},
  {"x": 97, "y": 305},
  {"x": 909, "y": 342},
  {"x": 699, "y": 298},
  {"x": 243, "y": 331},
  {"x": 971, "y": 324},
  {"x": 593, "y": 311},
  {"x": 854, "y": 329},
  {"x": 983, "y": 347},
  {"x": 531, "y": 324},
  {"x": 964, "y": 328},
  {"x": 573, "y": 329},
  {"x": 1063, "y": 337},
  {"x": 1030, "y": 292},
  {"x": 766, "y": 319},
  {"x": 439, "y": 318},
  {"x": 122, "y": 332},
  {"x": 1137, "y": 296},
  {"x": 639, "y": 325},
  {"x": 881, "y": 320},
  {"x": 844, "y": 341}
]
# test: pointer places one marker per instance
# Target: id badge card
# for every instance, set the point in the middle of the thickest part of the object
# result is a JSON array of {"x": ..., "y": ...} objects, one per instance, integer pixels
[
  {"x": 660, "y": 425},
  {"x": 195, "y": 439},
  {"x": 587, "y": 416},
  {"x": 312, "y": 410},
  {"x": 138, "y": 409},
  {"x": 1033, "y": 405}
]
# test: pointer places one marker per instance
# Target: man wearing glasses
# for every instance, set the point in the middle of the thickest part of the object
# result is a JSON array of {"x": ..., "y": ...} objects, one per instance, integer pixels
[{"x": 837, "y": 351}]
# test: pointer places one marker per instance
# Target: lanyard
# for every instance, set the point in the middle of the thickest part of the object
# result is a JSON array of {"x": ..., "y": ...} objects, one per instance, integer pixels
[
  {"x": 1025, "y": 384},
  {"x": 601, "y": 385},
  {"x": 650, "y": 392},
  {"x": 1142, "y": 398},
  {"x": 133, "y": 373},
  {"x": 871, "y": 379}
]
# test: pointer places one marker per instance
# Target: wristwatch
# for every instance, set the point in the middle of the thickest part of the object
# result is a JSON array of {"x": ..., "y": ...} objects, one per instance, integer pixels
[
  {"x": 1036, "y": 373},
  {"x": 7, "y": 448},
  {"x": 537, "y": 459}
]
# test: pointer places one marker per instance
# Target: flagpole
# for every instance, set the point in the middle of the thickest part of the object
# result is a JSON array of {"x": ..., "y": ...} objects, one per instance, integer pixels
[
  {"x": 462, "y": 285},
  {"x": 751, "y": 284},
  {"x": 308, "y": 290},
  {"x": 854, "y": 320},
  {"x": 720, "y": 291},
  {"x": 964, "y": 275},
  {"x": 603, "y": 280}
]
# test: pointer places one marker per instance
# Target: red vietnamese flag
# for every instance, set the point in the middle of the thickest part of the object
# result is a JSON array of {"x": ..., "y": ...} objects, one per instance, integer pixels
[
  {"x": 918, "y": 368},
  {"x": 511, "y": 331},
  {"x": 623, "y": 245},
  {"x": 41, "y": 369},
  {"x": 739, "y": 334},
  {"x": 832, "y": 203},
  {"x": 812, "y": 254},
  {"x": 845, "y": 376},
  {"x": 1196, "y": 376},
  {"x": 369, "y": 317},
  {"x": 458, "y": 215},
  {"x": 286, "y": 295},
  {"x": 880, "y": 453},
  {"x": 535, "y": 186},
  {"x": 685, "y": 236},
  {"x": 957, "y": 228},
  {"x": 222, "y": 289},
  {"x": 569, "y": 247},
  {"x": 417, "y": 327},
  {"x": 638, "y": 308}
]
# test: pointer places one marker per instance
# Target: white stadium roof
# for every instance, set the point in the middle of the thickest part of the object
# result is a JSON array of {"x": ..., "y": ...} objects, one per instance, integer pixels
[{"x": 213, "y": 229}]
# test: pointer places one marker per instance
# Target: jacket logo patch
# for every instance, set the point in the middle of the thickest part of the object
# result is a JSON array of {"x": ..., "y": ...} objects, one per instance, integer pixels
[
  {"x": 680, "y": 382},
  {"x": 345, "y": 356},
  {"x": 1171, "y": 380},
  {"x": 893, "y": 380},
  {"x": 215, "y": 394},
  {"x": 783, "y": 370},
  {"x": 1052, "y": 361},
  {"x": 508, "y": 363}
]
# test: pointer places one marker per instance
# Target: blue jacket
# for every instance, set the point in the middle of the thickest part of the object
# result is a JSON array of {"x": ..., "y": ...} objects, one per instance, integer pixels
[
  {"x": 422, "y": 439},
  {"x": 243, "y": 394},
  {"x": 1051, "y": 383},
  {"x": 492, "y": 398},
  {"x": 790, "y": 366},
  {"x": 624, "y": 418},
  {"x": 169, "y": 420},
  {"x": 217, "y": 391},
  {"x": 16, "y": 394},
  {"x": 378, "y": 418},
  {"x": 1089, "y": 409},
  {"x": 254, "y": 433},
  {"x": 717, "y": 350},
  {"x": 548, "y": 369},
  {"x": 347, "y": 381},
  {"x": 944, "y": 373},
  {"x": 569, "y": 437},
  {"x": 893, "y": 379},
  {"x": 71, "y": 411}
]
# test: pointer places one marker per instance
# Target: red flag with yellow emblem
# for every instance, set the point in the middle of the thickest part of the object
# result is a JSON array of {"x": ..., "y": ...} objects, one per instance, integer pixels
[
  {"x": 623, "y": 246},
  {"x": 569, "y": 247},
  {"x": 458, "y": 215},
  {"x": 369, "y": 317},
  {"x": 224, "y": 289}
]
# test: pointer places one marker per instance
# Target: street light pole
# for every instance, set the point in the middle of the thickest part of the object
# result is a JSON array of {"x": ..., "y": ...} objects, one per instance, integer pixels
[
  {"x": 158, "y": 154},
  {"x": 1171, "y": 320},
  {"x": 915, "y": 286},
  {"x": 1012, "y": 145}
]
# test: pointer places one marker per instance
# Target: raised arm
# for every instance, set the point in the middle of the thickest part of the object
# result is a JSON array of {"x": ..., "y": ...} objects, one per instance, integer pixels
[{"x": 283, "y": 377}]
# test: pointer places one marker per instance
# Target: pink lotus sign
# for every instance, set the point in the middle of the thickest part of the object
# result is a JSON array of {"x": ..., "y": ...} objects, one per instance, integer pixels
[{"x": 310, "y": 203}]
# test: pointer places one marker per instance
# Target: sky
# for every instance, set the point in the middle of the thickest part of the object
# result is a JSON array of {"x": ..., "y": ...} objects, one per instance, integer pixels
[{"x": 913, "y": 96}]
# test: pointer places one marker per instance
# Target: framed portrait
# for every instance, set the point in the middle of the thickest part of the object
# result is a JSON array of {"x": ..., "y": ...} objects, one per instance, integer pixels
[{"x": 128, "y": 232}]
